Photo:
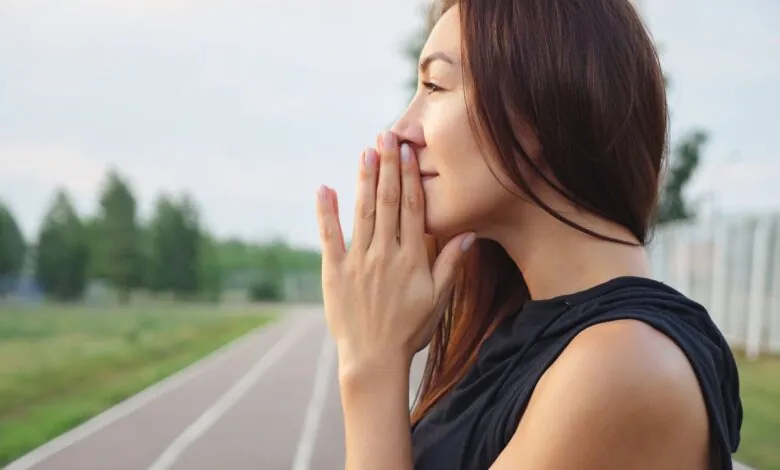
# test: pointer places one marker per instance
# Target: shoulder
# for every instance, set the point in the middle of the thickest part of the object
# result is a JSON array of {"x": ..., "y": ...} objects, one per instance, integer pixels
[{"x": 620, "y": 395}]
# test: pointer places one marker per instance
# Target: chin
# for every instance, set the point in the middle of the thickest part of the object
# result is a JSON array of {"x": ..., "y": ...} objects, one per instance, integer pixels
[{"x": 444, "y": 227}]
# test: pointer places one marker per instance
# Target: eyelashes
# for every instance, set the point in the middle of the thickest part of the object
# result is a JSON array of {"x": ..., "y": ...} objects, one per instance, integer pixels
[{"x": 431, "y": 87}]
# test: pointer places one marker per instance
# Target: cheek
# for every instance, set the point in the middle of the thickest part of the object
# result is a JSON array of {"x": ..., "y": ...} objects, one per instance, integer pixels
[
  {"x": 466, "y": 195},
  {"x": 448, "y": 133}
]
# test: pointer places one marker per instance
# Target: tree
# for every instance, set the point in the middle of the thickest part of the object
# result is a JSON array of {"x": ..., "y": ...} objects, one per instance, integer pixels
[
  {"x": 96, "y": 268},
  {"x": 12, "y": 250},
  {"x": 118, "y": 244},
  {"x": 175, "y": 241},
  {"x": 684, "y": 160},
  {"x": 162, "y": 245},
  {"x": 269, "y": 281},
  {"x": 210, "y": 272},
  {"x": 62, "y": 254},
  {"x": 188, "y": 278}
]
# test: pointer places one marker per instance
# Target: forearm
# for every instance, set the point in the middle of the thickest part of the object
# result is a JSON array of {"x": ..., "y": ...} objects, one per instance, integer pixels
[{"x": 375, "y": 402}]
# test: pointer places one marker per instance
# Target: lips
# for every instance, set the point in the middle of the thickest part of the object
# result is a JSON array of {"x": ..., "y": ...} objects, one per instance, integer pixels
[{"x": 428, "y": 174}]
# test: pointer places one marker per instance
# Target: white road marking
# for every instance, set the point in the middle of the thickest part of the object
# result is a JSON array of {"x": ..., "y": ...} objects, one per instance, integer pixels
[
  {"x": 316, "y": 406},
  {"x": 128, "y": 406},
  {"x": 227, "y": 400}
]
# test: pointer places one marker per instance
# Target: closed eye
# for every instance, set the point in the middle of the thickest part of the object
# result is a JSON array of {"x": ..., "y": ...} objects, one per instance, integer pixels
[{"x": 431, "y": 87}]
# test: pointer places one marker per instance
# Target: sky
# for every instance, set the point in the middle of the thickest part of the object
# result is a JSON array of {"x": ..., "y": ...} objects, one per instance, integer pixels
[{"x": 251, "y": 105}]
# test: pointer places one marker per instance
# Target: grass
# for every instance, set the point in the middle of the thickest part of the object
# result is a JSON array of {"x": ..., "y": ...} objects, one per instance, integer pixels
[
  {"x": 760, "y": 392},
  {"x": 60, "y": 366}
]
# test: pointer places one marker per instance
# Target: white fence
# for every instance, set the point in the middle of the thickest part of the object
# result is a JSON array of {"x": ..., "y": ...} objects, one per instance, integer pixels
[{"x": 732, "y": 267}]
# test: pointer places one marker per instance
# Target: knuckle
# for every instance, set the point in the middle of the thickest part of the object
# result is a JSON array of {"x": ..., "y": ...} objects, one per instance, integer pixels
[
  {"x": 376, "y": 259},
  {"x": 366, "y": 173},
  {"x": 330, "y": 275},
  {"x": 389, "y": 154},
  {"x": 366, "y": 210},
  {"x": 389, "y": 196},
  {"x": 407, "y": 260},
  {"x": 352, "y": 270},
  {"x": 413, "y": 200},
  {"x": 327, "y": 230}
]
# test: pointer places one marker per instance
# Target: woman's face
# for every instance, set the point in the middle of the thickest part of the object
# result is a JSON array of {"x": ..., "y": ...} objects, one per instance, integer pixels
[{"x": 462, "y": 193}]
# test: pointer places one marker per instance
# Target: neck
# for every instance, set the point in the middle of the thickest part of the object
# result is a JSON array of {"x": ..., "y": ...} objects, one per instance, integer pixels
[{"x": 556, "y": 259}]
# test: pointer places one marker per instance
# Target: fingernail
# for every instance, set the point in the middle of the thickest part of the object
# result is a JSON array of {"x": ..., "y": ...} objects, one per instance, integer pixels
[
  {"x": 369, "y": 157},
  {"x": 322, "y": 193},
  {"x": 388, "y": 140},
  {"x": 406, "y": 153},
  {"x": 467, "y": 242}
]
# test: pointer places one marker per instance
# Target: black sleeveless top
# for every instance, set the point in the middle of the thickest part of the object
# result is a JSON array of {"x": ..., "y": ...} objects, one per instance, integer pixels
[{"x": 470, "y": 426}]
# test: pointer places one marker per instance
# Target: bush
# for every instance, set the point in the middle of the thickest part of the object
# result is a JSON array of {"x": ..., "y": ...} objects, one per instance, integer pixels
[{"x": 266, "y": 290}]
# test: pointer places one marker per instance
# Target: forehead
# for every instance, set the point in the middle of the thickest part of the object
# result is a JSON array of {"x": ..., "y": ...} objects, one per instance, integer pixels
[{"x": 445, "y": 35}]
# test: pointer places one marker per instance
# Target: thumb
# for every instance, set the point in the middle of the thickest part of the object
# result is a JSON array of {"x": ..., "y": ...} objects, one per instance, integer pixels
[{"x": 446, "y": 263}]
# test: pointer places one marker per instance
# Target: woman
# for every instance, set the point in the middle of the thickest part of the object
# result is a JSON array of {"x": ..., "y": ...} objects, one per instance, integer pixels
[{"x": 531, "y": 155}]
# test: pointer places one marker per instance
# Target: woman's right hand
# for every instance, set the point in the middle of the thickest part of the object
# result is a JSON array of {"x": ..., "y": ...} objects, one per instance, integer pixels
[{"x": 382, "y": 295}]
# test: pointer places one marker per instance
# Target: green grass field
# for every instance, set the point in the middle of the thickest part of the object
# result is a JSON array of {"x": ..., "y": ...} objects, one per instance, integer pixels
[
  {"x": 760, "y": 391},
  {"x": 60, "y": 366}
]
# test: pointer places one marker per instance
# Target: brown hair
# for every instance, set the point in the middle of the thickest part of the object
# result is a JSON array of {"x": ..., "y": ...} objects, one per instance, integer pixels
[{"x": 586, "y": 76}]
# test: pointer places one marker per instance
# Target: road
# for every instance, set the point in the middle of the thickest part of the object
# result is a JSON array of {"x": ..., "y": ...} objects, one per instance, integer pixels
[{"x": 267, "y": 401}]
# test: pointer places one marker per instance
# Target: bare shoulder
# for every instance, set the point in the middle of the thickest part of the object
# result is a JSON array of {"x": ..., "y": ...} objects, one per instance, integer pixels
[{"x": 621, "y": 395}]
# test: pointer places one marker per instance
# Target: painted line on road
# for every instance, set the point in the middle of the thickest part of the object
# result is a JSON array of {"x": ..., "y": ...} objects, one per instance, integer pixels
[
  {"x": 199, "y": 427},
  {"x": 316, "y": 406},
  {"x": 131, "y": 404}
]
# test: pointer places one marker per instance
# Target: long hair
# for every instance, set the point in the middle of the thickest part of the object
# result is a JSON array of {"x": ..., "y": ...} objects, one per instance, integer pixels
[{"x": 586, "y": 76}]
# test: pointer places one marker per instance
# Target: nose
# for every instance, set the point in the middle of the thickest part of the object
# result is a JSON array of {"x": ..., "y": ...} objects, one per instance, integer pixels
[{"x": 409, "y": 129}]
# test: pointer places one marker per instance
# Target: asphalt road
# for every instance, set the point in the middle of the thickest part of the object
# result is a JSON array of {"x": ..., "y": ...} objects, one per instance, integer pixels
[{"x": 268, "y": 401}]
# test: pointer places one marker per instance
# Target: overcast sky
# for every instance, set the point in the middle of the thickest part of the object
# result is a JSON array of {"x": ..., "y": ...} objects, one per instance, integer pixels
[{"x": 250, "y": 105}]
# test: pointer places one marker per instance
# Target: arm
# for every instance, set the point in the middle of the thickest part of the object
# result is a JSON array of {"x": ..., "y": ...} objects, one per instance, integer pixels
[
  {"x": 375, "y": 402},
  {"x": 621, "y": 396},
  {"x": 381, "y": 298}
]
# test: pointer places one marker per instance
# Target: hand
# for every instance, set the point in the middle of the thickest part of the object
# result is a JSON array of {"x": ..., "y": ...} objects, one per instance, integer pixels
[{"x": 382, "y": 297}]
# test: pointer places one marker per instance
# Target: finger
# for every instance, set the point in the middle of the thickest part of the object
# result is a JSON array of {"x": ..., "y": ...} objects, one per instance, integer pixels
[
  {"x": 330, "y": 228},
  {"x": 365, "y": 206},
  {"x": 445, "y": 266},
  {"x": 335, "y": 198},
  {"x": 388, "y": 195},
  {"x": 412, "y": 203}
]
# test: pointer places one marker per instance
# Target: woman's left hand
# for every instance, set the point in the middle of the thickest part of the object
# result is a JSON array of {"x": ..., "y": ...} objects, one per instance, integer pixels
[{"x": 382, "y": 297}]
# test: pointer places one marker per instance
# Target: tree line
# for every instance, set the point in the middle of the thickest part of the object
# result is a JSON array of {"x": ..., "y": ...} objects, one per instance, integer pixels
[{"x": 171, "y": 253}]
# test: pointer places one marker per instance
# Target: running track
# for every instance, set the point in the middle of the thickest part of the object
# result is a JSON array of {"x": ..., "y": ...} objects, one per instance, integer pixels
[{"x": 267, "y": 401}]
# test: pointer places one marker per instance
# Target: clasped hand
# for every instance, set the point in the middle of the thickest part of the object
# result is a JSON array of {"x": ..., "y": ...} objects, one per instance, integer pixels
[{"x": 383, "y": 298}]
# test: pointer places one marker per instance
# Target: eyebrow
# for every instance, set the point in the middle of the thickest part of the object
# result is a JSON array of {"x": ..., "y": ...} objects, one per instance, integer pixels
[{"x": 426, "y": 62}]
